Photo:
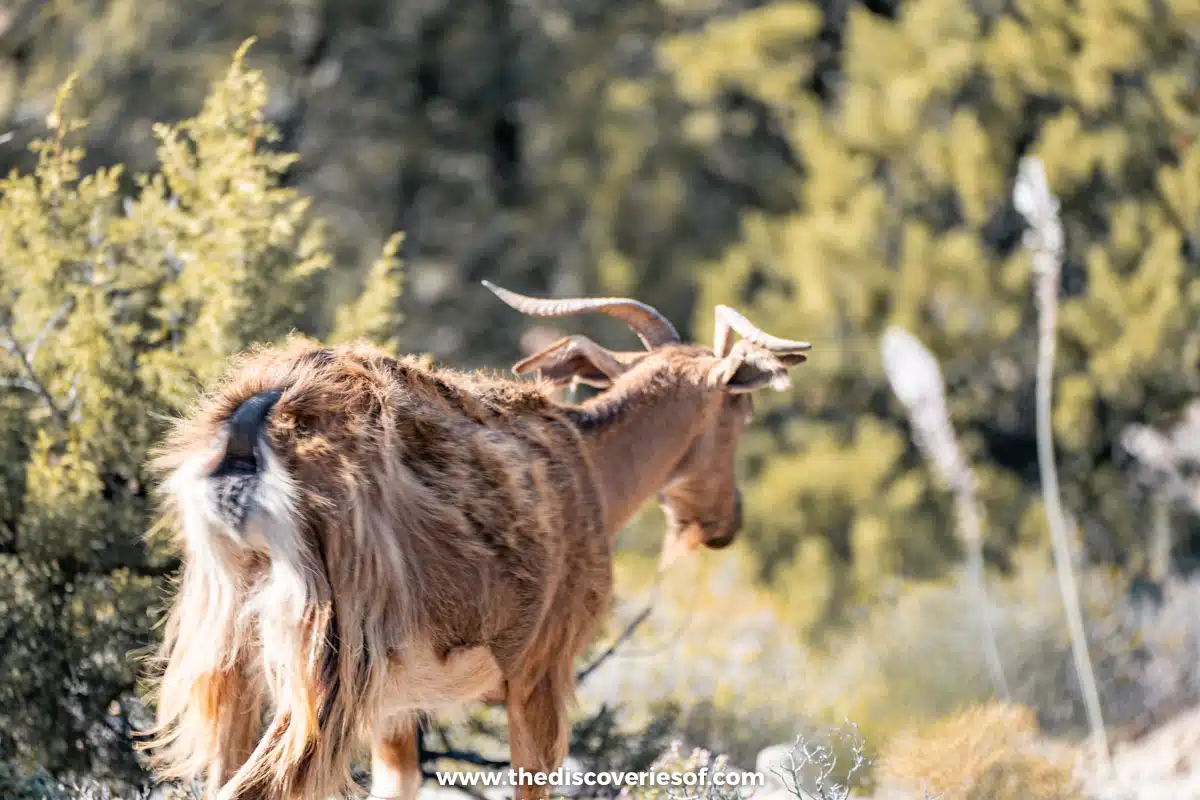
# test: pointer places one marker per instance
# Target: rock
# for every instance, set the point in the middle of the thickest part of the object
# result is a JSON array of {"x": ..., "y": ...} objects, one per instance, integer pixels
[{"x": 770, "y": 762}]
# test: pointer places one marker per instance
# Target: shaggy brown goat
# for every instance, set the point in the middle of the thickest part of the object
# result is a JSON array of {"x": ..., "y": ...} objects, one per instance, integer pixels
[{"x": 367, "y": 538}]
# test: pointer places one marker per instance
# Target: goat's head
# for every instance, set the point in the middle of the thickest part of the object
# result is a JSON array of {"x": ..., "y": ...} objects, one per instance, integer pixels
[{"x": 700, "y": 497}]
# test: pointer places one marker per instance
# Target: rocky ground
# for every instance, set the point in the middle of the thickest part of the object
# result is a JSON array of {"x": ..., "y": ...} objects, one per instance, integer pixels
[{"x": 1163, "y": 765}]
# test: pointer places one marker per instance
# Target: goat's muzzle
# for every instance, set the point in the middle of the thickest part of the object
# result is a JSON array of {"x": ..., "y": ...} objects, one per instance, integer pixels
[
  {"x": 720, "y": 542},
  {"x": 731, "y": 530}
]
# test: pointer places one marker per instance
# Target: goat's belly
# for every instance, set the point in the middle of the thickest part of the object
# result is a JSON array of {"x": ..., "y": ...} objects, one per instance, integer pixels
[{"x": 423, "y": 682}]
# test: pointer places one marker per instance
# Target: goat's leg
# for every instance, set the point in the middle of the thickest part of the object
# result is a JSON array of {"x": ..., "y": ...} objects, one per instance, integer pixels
[
  {"x": 238, "y": 724},
  {"x": 395, "y": 764},
  {"x": 538, "y": 733},
  {"x": 237, "y": 739}
]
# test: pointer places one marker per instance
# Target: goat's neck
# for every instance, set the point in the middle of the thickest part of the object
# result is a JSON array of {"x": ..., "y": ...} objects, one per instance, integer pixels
[{"x": 635, "y": 439}]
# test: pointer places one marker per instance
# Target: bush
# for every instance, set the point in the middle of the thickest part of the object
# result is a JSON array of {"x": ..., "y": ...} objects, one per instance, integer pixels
[
  {"x": 880, "y": 672},
  {"x": 728, "y": 655},
  {"x": 717, "y": 647},
  {"x": 118, "y": 296},
  {"x": 696, "y": 766},
  {"x": 990, "y": 752}
]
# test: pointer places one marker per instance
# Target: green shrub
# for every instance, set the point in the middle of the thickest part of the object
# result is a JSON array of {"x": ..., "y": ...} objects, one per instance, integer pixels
[
  {"x": 119, "y": 295},
  {"x": 871, "y": 150}
]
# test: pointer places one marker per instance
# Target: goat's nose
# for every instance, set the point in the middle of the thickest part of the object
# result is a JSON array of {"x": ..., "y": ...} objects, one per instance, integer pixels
[{"x": 720, "y": 542}]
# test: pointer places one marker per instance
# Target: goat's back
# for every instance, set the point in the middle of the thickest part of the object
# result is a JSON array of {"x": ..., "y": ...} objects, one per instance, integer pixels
[{"x": 444, "y": 509}]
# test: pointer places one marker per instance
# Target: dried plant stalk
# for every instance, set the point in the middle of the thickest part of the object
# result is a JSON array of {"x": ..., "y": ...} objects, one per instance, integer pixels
[
  {"x": 1166, "y": 466},
  {"x": 1039, "y": 207},
  {"x": 916, "y": 378},
  {"x": 1159, "y": 559}
]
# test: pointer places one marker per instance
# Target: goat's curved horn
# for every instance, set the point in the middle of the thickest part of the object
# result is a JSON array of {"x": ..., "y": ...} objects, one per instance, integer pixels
[
  {"x": 728, "y": 320},
  {"x": 648, "y": 323}
]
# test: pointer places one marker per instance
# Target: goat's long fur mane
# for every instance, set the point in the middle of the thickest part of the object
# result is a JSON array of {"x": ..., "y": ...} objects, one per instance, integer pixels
[{"x": 395, "y": 514}]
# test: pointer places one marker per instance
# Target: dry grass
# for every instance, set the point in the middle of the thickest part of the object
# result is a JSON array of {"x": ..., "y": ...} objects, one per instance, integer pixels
[{"x": 988, "y": 752}]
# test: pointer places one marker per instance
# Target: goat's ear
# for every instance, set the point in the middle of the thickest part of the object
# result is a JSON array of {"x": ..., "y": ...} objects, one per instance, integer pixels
[
  {"x": 573, "y": 360},
  {"x": 791, "y": 359},
  {"x": 748, "y": 369}
]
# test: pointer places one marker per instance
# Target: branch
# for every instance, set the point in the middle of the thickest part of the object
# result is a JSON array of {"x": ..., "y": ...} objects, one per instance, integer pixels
[
  {"x": 450, "y": 752},
  {"x": 14, "y": 348},
  {"x": 426, "y": 757},
  {"x": 20, "y": 383},
  {"x": 73, "y": 568},
  {"x": 53, "y": 319},
  {"x": 463, "y": 757},
  {"x": 9, "y": 544},
  {"x": 630, "y": 629},
  {"x": 72, "y": 407}
]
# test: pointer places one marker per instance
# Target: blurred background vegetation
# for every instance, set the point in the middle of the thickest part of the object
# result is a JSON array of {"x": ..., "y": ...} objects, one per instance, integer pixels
[{"x": 830, "y": 167}]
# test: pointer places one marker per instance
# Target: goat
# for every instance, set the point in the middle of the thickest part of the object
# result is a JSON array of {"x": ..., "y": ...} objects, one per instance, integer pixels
[{"x": 366, "y": 539}]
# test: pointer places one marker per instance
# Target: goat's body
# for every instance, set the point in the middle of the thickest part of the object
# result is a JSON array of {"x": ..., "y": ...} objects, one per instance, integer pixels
[
  {"x": 399, "y": 548},
  {"x": 368, "y": 538}
]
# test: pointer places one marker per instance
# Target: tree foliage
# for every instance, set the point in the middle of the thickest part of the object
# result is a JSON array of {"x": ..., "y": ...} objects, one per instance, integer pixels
[
  {"x": 879, "y": 192},
  {"x": 119, "y": 296},
  {"x": 830, "y": 168}
]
